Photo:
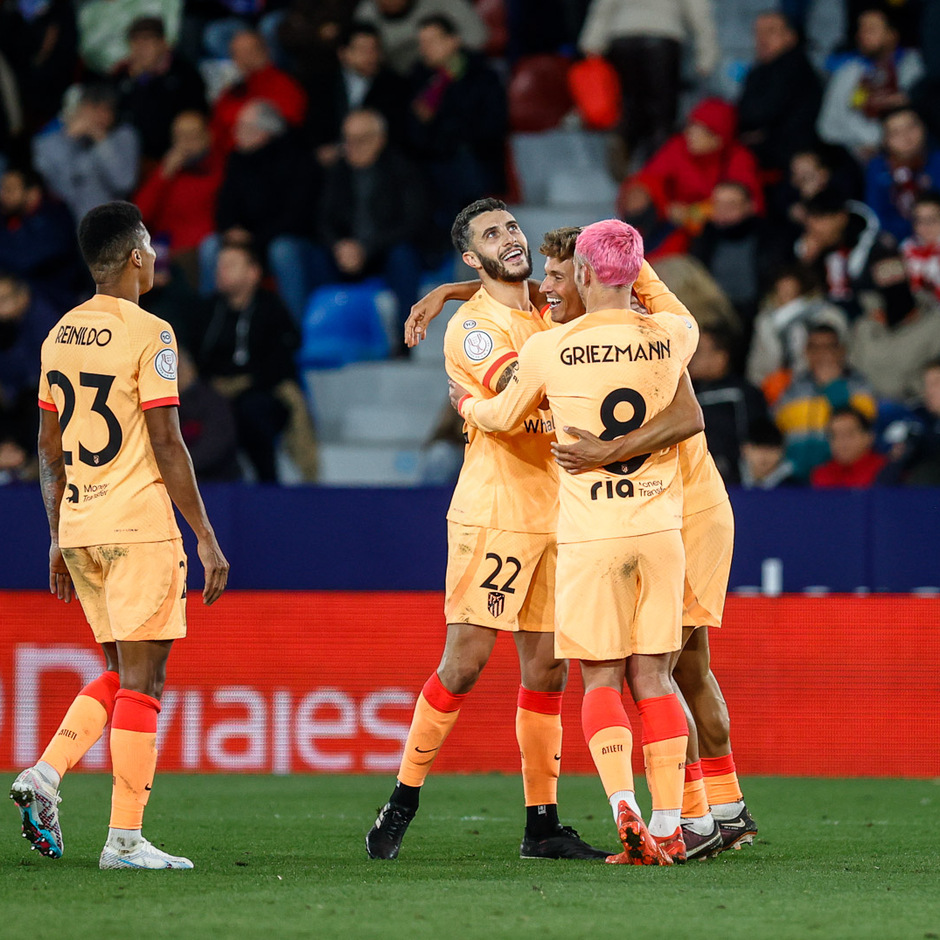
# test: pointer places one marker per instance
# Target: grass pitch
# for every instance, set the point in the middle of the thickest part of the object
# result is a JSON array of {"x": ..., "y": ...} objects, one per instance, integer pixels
[{"x": 284, "y": 857}]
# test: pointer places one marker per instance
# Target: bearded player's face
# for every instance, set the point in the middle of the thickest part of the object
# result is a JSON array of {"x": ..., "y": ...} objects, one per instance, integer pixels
[{"x": 498, "y": 243}]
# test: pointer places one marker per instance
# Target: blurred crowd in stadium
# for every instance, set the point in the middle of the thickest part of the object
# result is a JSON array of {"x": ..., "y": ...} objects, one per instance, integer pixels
[{"x": 278, "y": 146}]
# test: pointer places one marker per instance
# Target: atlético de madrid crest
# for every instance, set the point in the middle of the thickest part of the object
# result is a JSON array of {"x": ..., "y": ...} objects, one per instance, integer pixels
[{"x": 495, "y": 603}]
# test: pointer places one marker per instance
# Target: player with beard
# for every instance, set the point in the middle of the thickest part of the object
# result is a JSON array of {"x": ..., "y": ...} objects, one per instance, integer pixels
[{"x": 501, "y": 550}]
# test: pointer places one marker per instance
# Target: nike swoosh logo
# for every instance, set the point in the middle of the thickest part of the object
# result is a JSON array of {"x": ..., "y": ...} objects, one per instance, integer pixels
[
  {"x": 148, "y": 787},
  {"x": 558, "y": 757},
  {"x": 428, "y": 751},
  {"x": 731, "y": 823}
]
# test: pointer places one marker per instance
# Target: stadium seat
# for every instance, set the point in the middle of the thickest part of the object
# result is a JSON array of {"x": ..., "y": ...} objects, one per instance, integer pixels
[
  {"x": 538, "y": 157},
  {"x": 577, "y": 187},
  {"x": 493, "y": 14},
  {"x": 347, "y": 323},
  {"x": 538, "y": 93}
]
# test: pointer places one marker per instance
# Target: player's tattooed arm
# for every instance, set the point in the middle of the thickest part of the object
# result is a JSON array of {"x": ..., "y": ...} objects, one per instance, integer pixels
[
  {"x": 508, "y": 374},
  {"x": 676, "y": 422},
  {"x": 52, "y": 483}
]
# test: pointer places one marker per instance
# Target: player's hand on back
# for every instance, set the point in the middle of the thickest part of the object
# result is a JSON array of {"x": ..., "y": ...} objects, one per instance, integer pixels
[
  {"x": 60, "y": 581},
  {"x": 216, "y": 569},
  {"x": 456, "y": 392},
  {"x": 586, "y": 453}
]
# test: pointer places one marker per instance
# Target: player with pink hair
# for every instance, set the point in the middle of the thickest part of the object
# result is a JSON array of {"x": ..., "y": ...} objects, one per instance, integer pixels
[
  {"x": 619, "y": 583},
  {"x": 613, "y": 249}
]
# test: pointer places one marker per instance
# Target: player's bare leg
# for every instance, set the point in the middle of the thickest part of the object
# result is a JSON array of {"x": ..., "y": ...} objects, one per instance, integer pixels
[
  {"x": 665, "y": 736},
  {"x": 36, "y": 790},
  {"x": 700, "y": 688},
  {"x": 539, "y": 733},
  {"x": 134, "y": 756},
  {"x": 610, "y": 740},
  {"x": 466, "y": 652}
]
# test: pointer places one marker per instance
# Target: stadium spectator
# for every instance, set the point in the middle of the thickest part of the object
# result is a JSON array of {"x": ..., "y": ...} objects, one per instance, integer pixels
[
  {"x": 683, "y": 172},
  {"x": 309, "y": 34},
  {"x": 37, "y": 235},
  {"x": 359, "y": 80},
  {"x": 207, "y": 425},
  {"x": 155, "y": 84},
  {"x": 729, "y": 403},
  {"x": 374, "y": 215},
  {"x": 915, "y": 454},
  {"x": 781, "y": 97},
  {"x": 178, "y": 199},
  {"x": 867, "y": 86},
  {"x": 763, "y": 462},
  {"x": 399, "y": 23},
  {"x": 104, "y": 37},
  {"x": 821, "y": 168},
  {"x": 840, "y": 241},
  {"x": 899, "y": 335},
  {"x": 660, "y": 236},
  {"x": 922, "y": 250},
  {"x": 907, "y": 167},
  {"x": 268, "y": 197},
  {"x": 778, "y": 346},
  {"x": 234, "y": 17},
  {"x": 246, "y": 351},
  {"x": 643, "y": 42},
  {"x": 25, "y": 319},
  {"x": 734, "y": 247},
  {"x": 89, "y": 159},
  {"x": 803, "y": 410},
  {"x": 40, "y": 43},
  {"x": 457, "y": 119},
  {"x": 854, "y": 462},
  {"x": 259, "y": 79}
]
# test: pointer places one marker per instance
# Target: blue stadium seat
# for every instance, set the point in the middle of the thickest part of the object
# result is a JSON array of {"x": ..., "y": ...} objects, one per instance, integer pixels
[{"x": 347, "y": 323}]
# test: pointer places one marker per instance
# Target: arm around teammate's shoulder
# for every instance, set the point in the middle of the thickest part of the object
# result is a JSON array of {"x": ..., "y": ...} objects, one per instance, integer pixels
[{"x": 176, "y": 469}]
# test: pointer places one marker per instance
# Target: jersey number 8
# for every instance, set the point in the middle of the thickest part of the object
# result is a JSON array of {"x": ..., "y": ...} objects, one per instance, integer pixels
[{"x": 614, "y": 427}]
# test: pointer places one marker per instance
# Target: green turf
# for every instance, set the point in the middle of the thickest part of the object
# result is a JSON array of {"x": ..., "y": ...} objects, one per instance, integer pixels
[{"x": 284, "y": 857}]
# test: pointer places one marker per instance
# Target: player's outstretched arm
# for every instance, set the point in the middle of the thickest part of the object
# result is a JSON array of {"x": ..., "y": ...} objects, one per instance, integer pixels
[
  {"x": 676, "y": 422},
  {"x": 176, "y": 468},
  {"x": 655, "y": 296},
  {"x": 52, "y": 482},
  {"x": 432, "y": 303}
]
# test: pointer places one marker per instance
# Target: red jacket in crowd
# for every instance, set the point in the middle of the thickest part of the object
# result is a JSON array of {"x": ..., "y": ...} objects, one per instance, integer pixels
[
  {"x": 674, "y": 175},
  {"x": 182, "y": 206},
  {"x": 270, "y": 83},
  {"x": 859, "y": 475}
]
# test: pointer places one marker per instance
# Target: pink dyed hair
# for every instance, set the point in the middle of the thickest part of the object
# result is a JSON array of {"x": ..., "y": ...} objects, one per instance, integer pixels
[{"x": 613, "y": 249}]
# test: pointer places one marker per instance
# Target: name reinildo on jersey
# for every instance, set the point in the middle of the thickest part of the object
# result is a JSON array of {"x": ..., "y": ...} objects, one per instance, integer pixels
[{"x": 83, "y": 336}]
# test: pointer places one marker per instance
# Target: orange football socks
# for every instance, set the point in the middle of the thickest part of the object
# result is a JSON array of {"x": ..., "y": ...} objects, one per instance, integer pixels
[
  {"x": 694, "y": 799},
  {"x": 538, "y": 731},
  {"x": 83, "y": 723},
  {"x": 721, "y": 780},
  {"x": 435, "y": 714},
  {"x": 133, "y": 756},
  {"x": 665, "y": 736},
  {"x": 609, "y": 738}
]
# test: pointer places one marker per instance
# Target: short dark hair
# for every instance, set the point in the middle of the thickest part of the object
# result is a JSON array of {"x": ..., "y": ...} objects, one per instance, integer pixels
[
  {"x": 723, "y": 339},
  {"x": 827, "y": 328},
  {"x": 864, "y": 422},
  {"x": 358, "y": 28},
  {"x": 826, "y": 202},
  {"x": 762, "y": 432},
  {"x": 99, "y": 93},
  {"x": 460, "y": 230},
  {"x": 31, "y": 178},
  {"x": 147, "y": 26},
  {"x": 107, "y": 235},
  {"x": 929, "y": 197},
  {"x": 246, "y": 248},
  {"x": 444, "y": 23},
  {"x": 933, "y": 364},
  {"x": 559, "y": 242}
]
